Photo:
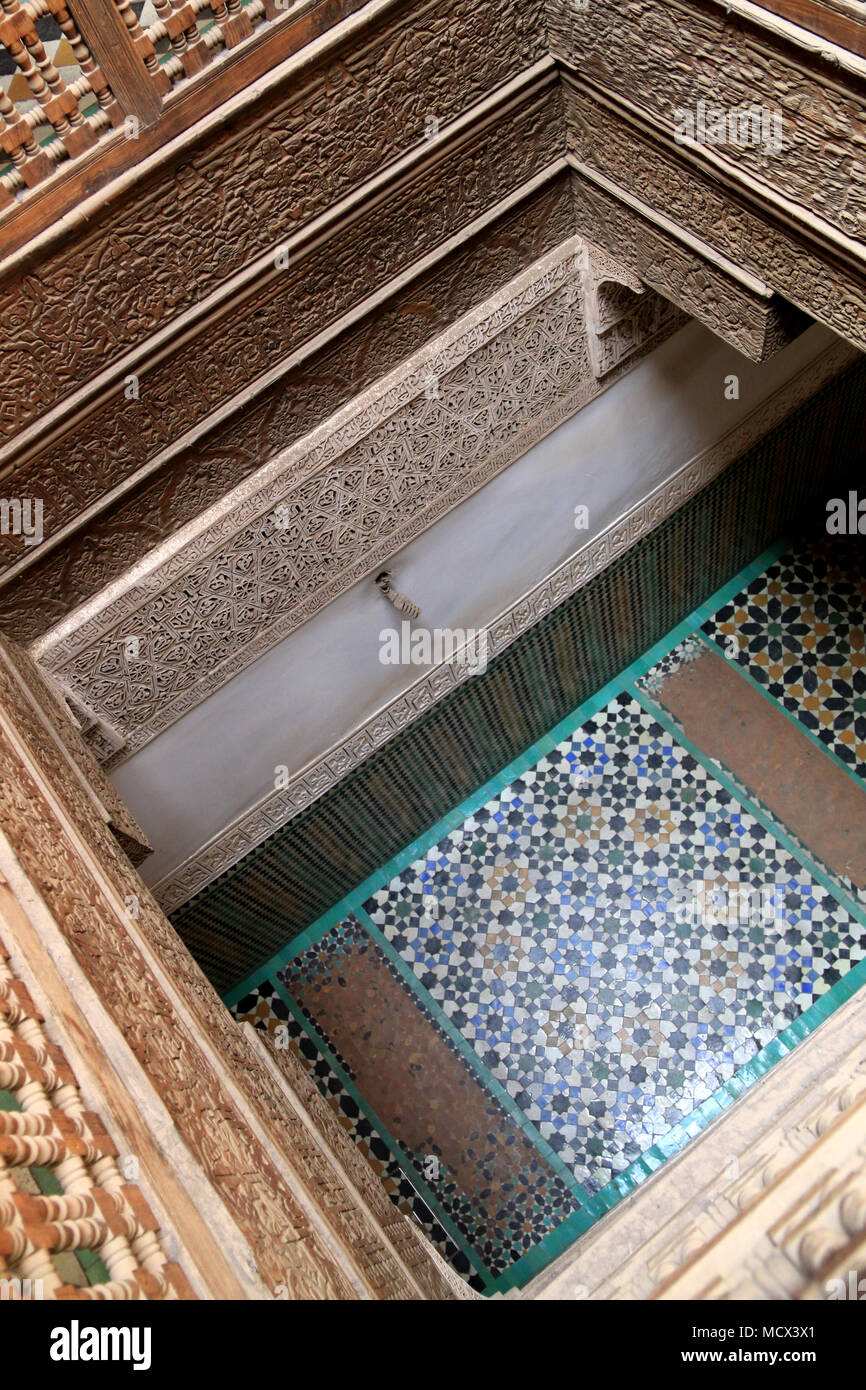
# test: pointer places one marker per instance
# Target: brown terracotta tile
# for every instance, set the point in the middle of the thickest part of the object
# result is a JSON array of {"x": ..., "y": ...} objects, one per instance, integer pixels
[{"x": 728, "y": 719}]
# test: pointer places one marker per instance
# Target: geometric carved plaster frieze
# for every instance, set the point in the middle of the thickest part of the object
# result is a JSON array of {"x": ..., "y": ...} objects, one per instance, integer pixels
[
  {"x": 330, "y": 509},
  {"x": 261, "y": 820},
  {"x": 768, "y": 1203}
]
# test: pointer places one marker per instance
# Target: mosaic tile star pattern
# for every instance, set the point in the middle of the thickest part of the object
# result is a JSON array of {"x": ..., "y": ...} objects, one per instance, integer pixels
[
  {"x": 546, "y": 929},
  {"x": 520, "y": 1022},
  {"x": 799, "y": 630}
]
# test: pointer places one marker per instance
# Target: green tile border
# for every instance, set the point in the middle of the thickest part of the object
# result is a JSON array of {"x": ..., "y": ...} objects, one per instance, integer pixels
[
  {"x": 625, "y": 1183},
  {"x": 467, "y": 1052},
  {"x": 381, "y": 877},
  {"x": 756, "y": 809}
]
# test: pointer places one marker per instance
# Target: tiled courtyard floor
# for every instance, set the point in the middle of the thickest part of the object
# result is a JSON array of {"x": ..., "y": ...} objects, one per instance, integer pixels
[{"x": 523, "y": 1016}]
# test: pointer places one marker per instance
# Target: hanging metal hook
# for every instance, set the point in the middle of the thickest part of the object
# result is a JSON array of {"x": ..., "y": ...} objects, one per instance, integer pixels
[{"x": 385, "y": 582}]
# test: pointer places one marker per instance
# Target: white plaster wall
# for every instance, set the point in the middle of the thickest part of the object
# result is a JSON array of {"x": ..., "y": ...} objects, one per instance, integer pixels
[{"x": 325, "y": 679}]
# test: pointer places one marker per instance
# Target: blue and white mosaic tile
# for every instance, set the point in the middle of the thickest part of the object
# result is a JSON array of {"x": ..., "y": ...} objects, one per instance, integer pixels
[{"x": 557, "y": 929}]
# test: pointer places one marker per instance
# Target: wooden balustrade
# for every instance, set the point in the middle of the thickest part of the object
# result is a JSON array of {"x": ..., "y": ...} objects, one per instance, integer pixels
[
  {"x": 95, "y": 1209},
  {"x": 127, "y": 70}
]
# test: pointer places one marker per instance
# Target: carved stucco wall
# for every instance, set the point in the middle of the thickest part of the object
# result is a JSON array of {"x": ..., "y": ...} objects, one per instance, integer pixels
[{"x": 330, "y": 509}]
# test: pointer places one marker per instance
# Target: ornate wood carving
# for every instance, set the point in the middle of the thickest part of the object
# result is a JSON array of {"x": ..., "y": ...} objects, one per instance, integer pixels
[
  {"x": 251, "y": 344},
  {"x": 223, "y": 1100},
  {"x": 206, "y": 332},
  {"x": 244, "y": 188},
  {"x": 736, "y": 307},
  {"x": 673, "y": 53},
  {"x": 293, "y": 405},
  {"x": 603, "y": 137}
]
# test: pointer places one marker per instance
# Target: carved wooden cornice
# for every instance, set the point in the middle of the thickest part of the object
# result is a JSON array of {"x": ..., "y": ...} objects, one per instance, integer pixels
[
  {"x": 674, "y": 53},
  {"x": 267, "y": 1196},
  {"x": 200, "y": 379},
  {"x": 326, "y": 129},
  {"x": 608, "y": 139}
]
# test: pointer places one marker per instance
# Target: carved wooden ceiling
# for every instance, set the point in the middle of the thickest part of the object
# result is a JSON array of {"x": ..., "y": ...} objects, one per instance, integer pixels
[{"x": 338, "y": 197}]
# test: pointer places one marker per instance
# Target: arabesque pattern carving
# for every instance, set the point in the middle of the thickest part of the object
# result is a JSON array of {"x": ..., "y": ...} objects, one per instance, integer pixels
[
  {"x": 198, "y": 477},
  {"x": 745, "y": 314},
  {"x": 671, "y": 54},
  {"x": 329, "y": 510},
  {"x": 246, "y": 188},
  {"x": 601, "y": 138},
  {"x": 264, "y": 327}
]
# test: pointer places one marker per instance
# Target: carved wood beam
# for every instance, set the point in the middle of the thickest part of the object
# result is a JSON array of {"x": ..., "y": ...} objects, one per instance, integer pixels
[
  {"x": 730, "y": 302},
  {"x": 109, "y": 37},
  {"x": 825, "y": 276}
]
